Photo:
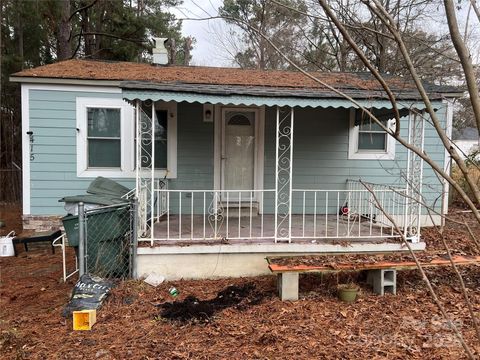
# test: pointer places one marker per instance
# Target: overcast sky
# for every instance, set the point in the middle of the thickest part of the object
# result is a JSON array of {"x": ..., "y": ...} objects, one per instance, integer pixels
[
  {"x": 209, "y": 33},
  {"x": 206, "y": 50}
]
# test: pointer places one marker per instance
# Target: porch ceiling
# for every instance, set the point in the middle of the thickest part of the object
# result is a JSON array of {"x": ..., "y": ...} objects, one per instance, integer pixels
[{"x": 259, "y": 96}]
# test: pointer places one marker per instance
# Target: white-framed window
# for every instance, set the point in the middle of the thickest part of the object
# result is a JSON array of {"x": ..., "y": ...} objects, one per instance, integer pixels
[
  {"x": 106, "y": 138},
  {"x": 367, "y": 140}
]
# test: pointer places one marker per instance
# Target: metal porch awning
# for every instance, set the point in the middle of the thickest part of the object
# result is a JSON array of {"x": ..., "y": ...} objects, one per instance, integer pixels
[{"x": 261, "y": 96}]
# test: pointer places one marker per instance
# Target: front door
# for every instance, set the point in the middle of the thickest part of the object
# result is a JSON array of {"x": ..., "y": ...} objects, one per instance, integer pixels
[{"x": 239, "y": 147}]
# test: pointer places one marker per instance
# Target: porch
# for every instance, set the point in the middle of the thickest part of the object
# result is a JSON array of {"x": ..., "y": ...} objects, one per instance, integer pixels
[
  {"x": 258, "y": 194},
  {"x": 355, "y": 214}
]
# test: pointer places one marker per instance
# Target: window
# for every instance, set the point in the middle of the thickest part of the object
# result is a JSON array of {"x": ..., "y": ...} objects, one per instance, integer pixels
[
  {"x": 103, "y": 138},
  {"x": 371, "y": 137},
  {"x": 106, "y": 138},
  {"x": 367, "y": 140}
]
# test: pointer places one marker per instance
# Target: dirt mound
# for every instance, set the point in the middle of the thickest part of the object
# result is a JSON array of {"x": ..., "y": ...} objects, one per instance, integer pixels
[{"x": 203, "y": 310}]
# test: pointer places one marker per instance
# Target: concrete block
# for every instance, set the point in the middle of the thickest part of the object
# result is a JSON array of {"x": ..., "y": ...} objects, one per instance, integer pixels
[
  {"x": 383, "y": 281},
  {"x": 287, "y": 284}
]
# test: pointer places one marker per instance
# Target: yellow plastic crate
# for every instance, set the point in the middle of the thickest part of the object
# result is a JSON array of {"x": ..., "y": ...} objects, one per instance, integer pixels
[{"x": 84, "y": 319}]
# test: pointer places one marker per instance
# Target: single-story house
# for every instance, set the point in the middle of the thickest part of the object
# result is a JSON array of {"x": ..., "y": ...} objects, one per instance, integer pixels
[
  {"x": 467, "y": 142},
  {"x": 232, "y": 165}
]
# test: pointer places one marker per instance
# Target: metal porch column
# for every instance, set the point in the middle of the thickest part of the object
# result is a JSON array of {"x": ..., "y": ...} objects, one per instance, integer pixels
[
  {"x": 416, "y": 136},
  {"x": 283, "y": 174}
]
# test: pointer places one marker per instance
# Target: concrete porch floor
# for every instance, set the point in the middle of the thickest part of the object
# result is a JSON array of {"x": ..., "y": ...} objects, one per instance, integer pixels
[
  {"x": 189, "y": 255},
  {"x": 260, "y": 229}
]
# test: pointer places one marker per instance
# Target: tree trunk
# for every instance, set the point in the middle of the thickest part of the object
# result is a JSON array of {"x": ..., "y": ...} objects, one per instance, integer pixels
[
  {"x": 19, "y": 38},
  {"x": 64, "y": 48},
  {"x": 465, "y": 59}
]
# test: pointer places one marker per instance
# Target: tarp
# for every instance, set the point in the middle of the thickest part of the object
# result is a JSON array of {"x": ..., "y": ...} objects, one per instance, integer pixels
[
  {"x": 93, "y": 199},
  {"x": 102, "y": 191},
  {"x": 104, "y": 186}
]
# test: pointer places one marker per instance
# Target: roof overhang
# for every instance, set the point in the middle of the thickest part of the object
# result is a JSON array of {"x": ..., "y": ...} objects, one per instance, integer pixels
[
  {"x": 63, "y": 81},
  {"x": 257, "y": 96}
]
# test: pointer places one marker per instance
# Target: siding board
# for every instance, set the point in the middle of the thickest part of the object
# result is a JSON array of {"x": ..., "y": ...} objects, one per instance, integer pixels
[{"x": 320, "y": 151}]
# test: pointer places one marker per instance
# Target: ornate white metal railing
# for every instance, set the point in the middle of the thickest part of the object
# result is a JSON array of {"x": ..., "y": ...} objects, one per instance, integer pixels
[
  {"x": 403, "y": 218},
  {"x": 348, "y": 214},
  {"x": 283, "y": 174},
  {"x": 352, "y": 213},
  {"x": 212, "y": 215},
  {"x": 416, "y": 137}
]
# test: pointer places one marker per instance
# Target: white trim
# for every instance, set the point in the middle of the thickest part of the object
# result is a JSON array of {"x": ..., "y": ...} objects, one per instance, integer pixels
[
  {"x": 355, "y": 154},
  {"x": 171, "y": 107},
  {"x": 217, "y": 146},
  {"x": 285, "y": 248},
  {"x": 84, "y": 88},
  {"x": 25, "y": 89},
  {"x": 261, "y": 154},
  {"x": 126, "y": 133},
  {"x": 447, "y": 162},
  {"x": 48, "y": 81}
]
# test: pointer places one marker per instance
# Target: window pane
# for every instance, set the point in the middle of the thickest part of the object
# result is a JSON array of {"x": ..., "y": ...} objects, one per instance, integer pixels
[
  {"x": 104, "y": 153},
  {"x": 367, "y": 125},
  {"x": 240, "y": 118},
  {"x": 371, "y": 141},
  {"x": 160, "y": 142},
  {"x": 103, "y": 122}
]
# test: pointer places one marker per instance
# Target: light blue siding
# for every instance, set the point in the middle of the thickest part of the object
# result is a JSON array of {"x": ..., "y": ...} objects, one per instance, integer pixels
[
  {"x": 320, "y": 155},
  {"x": 320, "y": 151},
  {"x": 53, "y": 172}
]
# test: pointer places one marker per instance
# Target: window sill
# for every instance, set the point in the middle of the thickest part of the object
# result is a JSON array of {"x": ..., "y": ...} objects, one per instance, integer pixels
[
  {"x": 117, "y": 173},
  {"x": 371, "y": 156}
]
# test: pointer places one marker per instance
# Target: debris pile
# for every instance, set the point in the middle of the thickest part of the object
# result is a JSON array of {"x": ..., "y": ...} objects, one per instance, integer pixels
[{"x": 203, "y": 310}]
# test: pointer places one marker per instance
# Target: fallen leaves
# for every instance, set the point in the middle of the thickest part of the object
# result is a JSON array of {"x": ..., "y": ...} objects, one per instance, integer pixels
[{"x": 316, "y": 327}]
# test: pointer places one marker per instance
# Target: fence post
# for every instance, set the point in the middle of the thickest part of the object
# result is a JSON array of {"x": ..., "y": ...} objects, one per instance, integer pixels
[
  {"x": 134, "y": 209},
  {"x": 81, "y": 239}
]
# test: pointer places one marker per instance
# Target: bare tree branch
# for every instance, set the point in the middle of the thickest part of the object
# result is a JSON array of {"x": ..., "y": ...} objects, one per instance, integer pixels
[
  {"x": 86, "y": 7},
  {"x": 137, "y": 41},
  {"x": 475, "y": 8},
  {"x": 402, "y": 141},
  {"x": 423, "y": 274},
  {"x": 376, "y": 7},
  {"x": 465, "y": 59}
]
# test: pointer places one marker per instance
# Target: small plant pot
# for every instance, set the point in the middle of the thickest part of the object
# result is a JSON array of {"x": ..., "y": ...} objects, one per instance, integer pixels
[{"x": 348, "y": 295}]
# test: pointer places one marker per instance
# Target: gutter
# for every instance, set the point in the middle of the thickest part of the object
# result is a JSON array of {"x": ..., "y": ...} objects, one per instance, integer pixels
[{"x": 38, "y": 80}]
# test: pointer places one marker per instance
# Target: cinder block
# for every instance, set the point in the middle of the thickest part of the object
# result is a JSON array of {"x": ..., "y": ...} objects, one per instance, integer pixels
[
  {"x": 383, "y": 281},
  {"x": 287, "y": 284}
]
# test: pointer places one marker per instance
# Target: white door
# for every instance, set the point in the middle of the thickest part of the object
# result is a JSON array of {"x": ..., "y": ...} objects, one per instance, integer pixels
[{"x": 239, "y": 148}]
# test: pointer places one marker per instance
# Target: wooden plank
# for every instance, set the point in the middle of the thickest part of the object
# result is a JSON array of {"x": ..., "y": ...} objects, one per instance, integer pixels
[{"x": 400, "y": 265}]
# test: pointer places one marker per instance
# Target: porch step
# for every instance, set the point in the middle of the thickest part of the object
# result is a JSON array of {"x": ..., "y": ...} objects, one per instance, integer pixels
[{"x": 233, "y": 209}]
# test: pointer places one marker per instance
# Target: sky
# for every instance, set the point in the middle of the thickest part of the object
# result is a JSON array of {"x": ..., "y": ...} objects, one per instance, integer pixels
[
  {"x": 206, "y": 50},
  {"x": 210, "y": 33}
]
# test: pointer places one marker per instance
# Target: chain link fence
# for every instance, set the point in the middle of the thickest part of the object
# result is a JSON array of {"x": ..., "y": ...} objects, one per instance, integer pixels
[{"x": 109, "y": 241}]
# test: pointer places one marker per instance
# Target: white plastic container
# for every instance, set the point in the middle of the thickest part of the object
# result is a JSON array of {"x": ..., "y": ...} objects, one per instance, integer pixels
[{"x": 6, "y": 245}]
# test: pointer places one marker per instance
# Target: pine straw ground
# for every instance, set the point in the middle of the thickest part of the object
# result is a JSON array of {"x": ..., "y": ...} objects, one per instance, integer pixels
[{"x": 260, "y": 326}]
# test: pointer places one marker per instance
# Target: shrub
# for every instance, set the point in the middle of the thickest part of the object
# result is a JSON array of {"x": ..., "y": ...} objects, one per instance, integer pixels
[{"x": 473, "y": 165}]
